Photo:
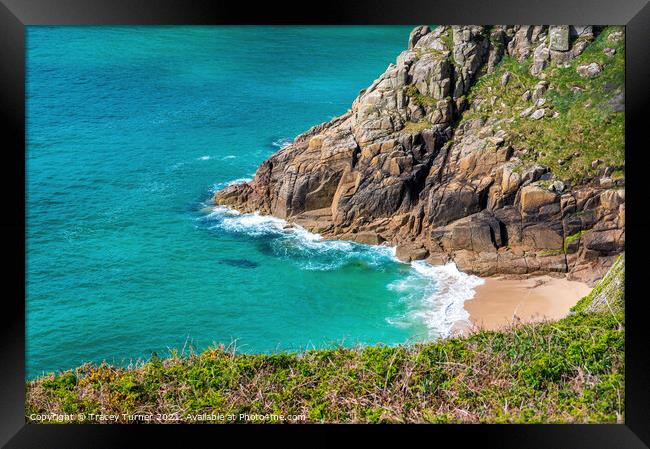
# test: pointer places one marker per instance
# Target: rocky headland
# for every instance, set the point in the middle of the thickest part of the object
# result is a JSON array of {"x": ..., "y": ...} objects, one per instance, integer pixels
[{"x": 499, "y": 148}]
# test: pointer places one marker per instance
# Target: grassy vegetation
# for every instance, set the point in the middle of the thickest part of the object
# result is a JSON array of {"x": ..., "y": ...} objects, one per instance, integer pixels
[
  {"x": 566, "y": 371},
  {"x": 421, "y": 51},
  {"x": 421, "y": 99},
  {"x": 414, "y": 127},
  {"x": 572, "y": 238},
  {"x": 448, "y": 38},
  {"x": 585, "y": 128},
  {"x": 608, "y": 296}
]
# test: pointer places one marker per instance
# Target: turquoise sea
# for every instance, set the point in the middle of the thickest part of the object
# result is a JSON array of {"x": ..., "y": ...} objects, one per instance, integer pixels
[{"x": 129, "y": 132}]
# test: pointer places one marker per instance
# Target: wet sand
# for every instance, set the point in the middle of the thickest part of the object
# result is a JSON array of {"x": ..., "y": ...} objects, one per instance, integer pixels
[{"x": 500, "y": 302}]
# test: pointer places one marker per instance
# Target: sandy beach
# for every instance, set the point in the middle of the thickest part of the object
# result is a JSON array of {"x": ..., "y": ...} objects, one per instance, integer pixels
[{"x": 500, "y": 301}]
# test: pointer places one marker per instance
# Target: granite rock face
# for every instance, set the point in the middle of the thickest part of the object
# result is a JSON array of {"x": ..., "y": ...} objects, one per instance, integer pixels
[{"x": 394, "y": 168}]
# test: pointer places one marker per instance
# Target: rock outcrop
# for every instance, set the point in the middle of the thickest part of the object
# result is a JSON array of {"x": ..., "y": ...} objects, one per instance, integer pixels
[{"x": 398, "y": 168}]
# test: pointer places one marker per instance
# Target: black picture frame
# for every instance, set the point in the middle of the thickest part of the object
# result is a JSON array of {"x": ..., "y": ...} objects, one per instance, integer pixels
[{"x": 15, "y": 15}]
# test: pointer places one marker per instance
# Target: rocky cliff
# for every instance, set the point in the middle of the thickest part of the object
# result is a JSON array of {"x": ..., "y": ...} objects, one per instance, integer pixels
[{"x": 500, "y": 148}]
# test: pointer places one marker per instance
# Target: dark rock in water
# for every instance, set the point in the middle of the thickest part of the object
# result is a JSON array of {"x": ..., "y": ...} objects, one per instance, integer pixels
[
  {"x": 265, "y": 248},
  {"x": 241, "y": 263}
]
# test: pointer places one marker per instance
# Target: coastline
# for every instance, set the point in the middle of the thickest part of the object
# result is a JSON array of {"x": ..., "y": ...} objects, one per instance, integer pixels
[
  {"x": 497, "y": 302},
  {"x": 503, "y": 301}
]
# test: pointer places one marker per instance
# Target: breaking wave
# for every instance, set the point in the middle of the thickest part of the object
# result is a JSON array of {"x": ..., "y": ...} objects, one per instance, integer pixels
[
  {"x": 433, "y": 296},
  {"x": 223, "y": 185},
  {"x": 310, "y": 251},
  {"x": 281, "y": 143}
]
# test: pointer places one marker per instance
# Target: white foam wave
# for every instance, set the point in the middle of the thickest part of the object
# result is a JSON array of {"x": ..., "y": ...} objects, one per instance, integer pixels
[
  {"x": 252, "y": 224},
  {"x": 435, "y": 296},
  {"x": 230, "y": 156},
  {"x": 204, "y": 158},
  {"x": 283, "y": 142},
  {"x": 239, "y": 181},
  {"x": 220, "y": 211},
  {"x": 223, "y": 185},
  {"x": 307, "y": 249}
]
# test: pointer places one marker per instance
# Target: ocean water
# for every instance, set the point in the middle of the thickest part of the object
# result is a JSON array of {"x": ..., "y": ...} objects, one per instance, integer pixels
[{"x": 129, "y": 132}]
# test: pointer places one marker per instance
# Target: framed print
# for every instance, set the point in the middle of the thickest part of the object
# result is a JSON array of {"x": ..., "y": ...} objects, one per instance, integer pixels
[{"x": 378, "y": 214}]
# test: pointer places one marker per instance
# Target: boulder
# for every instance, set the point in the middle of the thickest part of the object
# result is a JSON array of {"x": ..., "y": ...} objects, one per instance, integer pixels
[
  {"x": 539, "y": 113},
  {"x": 510, "y": 180},
  {"x": 407, "y": 253},
  {"x": 519, "y": 45},
  {"x": 368, "y": 237},
  {"x": 511, "y": 263},
  {"x": 616, "y": 36},
  {"x": 589, "y": 70},
  {"x": 533, "y": 173},
  {"x": 417, "y": 34},
  {"x": 542, "y": 237},
  {"x": 476, "y": 234},
  {"x": 533, "y": 197},
  {"x": 596, "y": 162},
  {"x": 559, "y": 36},
  {"x": 611, "y": 199},
  {"x": 526, "y": 112},
  {"x": 541, "y": 58},
  {"x": 550, "y": 261},
  {"x": 539, "y": 90},
  {"x": 607, "y": 241},
  {"x": 579, "y": 48},
  {"x": 557, "y": 186}
]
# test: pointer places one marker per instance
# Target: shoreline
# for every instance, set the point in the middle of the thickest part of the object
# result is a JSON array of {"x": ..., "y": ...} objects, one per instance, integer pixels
[
  {"x": 502, "y": 301},
  {"x": 498, "y": 302}
]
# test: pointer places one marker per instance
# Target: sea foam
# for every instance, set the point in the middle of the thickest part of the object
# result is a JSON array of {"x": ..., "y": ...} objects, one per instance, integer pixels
[
  {"x": 309, "y": 250},
  {"x": 223, "y": 185},
  {"x": 434, "y": 296},
  {"x": 281, "y": 143}
]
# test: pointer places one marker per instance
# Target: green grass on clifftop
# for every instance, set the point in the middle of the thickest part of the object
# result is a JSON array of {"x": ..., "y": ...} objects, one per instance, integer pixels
[
  {"x": 608, "y": 296},
  {"x": 586, "y": 127},
  {"x": 566, "y": 371}
]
